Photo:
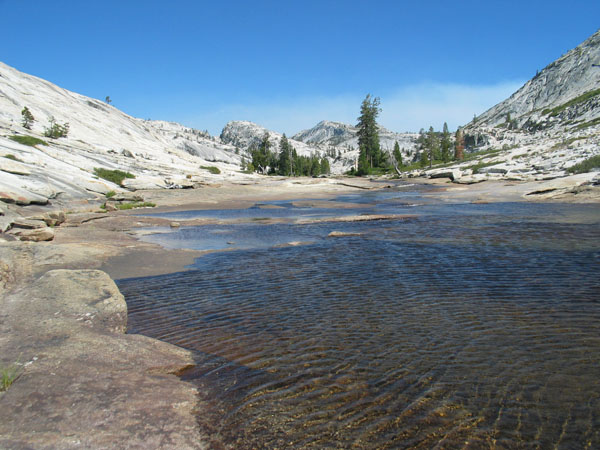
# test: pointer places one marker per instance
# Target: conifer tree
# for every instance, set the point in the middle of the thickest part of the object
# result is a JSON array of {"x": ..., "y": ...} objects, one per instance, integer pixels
[
  {"x": 445, "y": 143},
  {"x": 285, "y": 160},
  {"x": 397, "y": 154},
  {"x": 28, "y": 118},
  {"x": 261, "y": 156},
  {"x": 325, "y": 168},
  {"x": 368, "y": 135},
  {"x": 432, "y": 145}
]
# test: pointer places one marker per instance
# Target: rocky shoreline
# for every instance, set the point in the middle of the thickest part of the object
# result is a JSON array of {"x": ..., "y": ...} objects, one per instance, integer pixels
[{"x": 83, "y": 381}]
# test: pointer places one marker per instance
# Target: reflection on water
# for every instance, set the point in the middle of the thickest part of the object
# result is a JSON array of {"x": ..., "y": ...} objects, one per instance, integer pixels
[{"x": 470, "y": 326}]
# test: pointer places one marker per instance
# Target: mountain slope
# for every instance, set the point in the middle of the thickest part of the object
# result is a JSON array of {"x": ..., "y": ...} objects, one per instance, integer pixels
[
  {"x": 569, "y": 77},
  {"x": 549, "y": 125},
  {"x": 159, "y": 154}
]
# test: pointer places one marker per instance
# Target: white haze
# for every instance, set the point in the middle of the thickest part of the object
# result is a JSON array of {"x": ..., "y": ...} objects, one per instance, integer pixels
[{"x": 409, "y": 108}]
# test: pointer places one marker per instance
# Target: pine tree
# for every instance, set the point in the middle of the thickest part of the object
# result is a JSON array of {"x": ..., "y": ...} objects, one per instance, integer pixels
[
  {"x": 285, "y": 161},
  {"x": 397, "y": 154},
  {"x": 325, "y": 168},
  {"x": 368, "y": 135},
  {"x": 28, "y": 118},
  {"x": 433, "y": 146},
  {"x": 445, "y": 143},
  {"x": 261, "y": 156},
  {"x": 424, "y": 158}
]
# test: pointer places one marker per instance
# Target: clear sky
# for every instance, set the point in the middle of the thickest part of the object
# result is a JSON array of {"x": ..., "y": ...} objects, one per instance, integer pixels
[{"x": 289, "y": 64}]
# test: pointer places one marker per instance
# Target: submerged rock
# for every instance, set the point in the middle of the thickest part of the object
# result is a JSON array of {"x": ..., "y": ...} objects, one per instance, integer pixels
[{"x": 343, "y": 234}]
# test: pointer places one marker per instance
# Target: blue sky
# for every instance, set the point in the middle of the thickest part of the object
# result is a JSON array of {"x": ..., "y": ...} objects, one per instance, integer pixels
[{"x": 289, "y": 64}]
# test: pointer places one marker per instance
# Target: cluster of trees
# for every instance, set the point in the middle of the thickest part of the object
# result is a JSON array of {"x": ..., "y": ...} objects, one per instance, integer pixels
[
  {"x": 434, "y": 147},
  {"x": 437, "y": 147},
  {"x": 55, "y": 130},
  {"x": 284, "y": 160}
]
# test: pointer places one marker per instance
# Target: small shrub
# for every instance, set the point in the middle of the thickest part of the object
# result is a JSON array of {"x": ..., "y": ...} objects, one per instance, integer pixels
[
  {"x": 125, "y": 206},
  {"x": 12, "y": 157},
  {"x": 27, "y": 140},
  {"x": 114, "y": 176},
  {"x": 212, "y": 169},
  {"x": 28, "y": 118},
  {"x": 56, "y": 130},
  {"x": 8, "y": 375},
  {"x": 110, "y": 194},
  {"x": 586, "y": 166}
]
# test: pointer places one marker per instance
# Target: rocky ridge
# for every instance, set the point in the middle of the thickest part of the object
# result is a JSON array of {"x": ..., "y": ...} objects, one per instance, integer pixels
[
  {"x": 547, "y": 126},
  {"x": 541, "y": 131},
  {"x": 159, "y": 154},
  {"x": 344, "y": 136}
]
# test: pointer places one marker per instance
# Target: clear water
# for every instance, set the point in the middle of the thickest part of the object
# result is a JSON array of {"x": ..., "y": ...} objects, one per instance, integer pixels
[{"x": 469, "y": 326}]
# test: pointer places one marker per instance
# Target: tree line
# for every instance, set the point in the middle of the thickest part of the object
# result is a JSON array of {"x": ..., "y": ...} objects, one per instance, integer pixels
[
  {"x": 437, "y": 147},
  {"x": 432, "y": 147},
  {"x": 283, "y": 160}
]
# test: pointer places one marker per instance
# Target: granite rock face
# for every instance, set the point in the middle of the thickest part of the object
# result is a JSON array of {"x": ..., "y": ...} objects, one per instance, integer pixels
[
  {"x": 83, "y": 383},
  {"x": 540, "y": 132},
  {"x": 565, "y": 79},
  {"x": 100, "y": 136}
]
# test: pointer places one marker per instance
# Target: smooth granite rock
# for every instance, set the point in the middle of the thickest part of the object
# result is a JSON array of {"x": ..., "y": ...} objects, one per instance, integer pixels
[{"x": 85, "y": 384}]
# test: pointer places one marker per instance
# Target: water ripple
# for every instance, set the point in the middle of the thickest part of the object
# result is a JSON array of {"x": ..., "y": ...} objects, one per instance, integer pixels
[{"x": 468, "y": 330}]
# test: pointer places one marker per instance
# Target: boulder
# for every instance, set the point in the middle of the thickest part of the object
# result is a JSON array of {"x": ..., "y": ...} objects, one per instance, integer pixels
[
  {"x": 29, "y": 223},
  {"x": 453, "y": 174},
  {"x": 493, "y": 169},
  {"x": 85, "y": 384},
  {"x": 180, "y": 183},
  {"x": 34, "y": 235},
  {"x": 51, "y": 218},
  {"x": 126, "y": 197},
  {"x": 55, "y": 218},
  {"x": 471, "y": 179},
  {"x": 144, "y": 183}
]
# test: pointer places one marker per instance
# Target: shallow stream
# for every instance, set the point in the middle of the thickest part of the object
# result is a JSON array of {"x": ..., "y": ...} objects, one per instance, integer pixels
[{"x": 469, "y": 325}]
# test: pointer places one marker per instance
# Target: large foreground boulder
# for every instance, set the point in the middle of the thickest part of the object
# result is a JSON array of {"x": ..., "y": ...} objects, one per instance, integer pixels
[{"x": 85, "y": 384}]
